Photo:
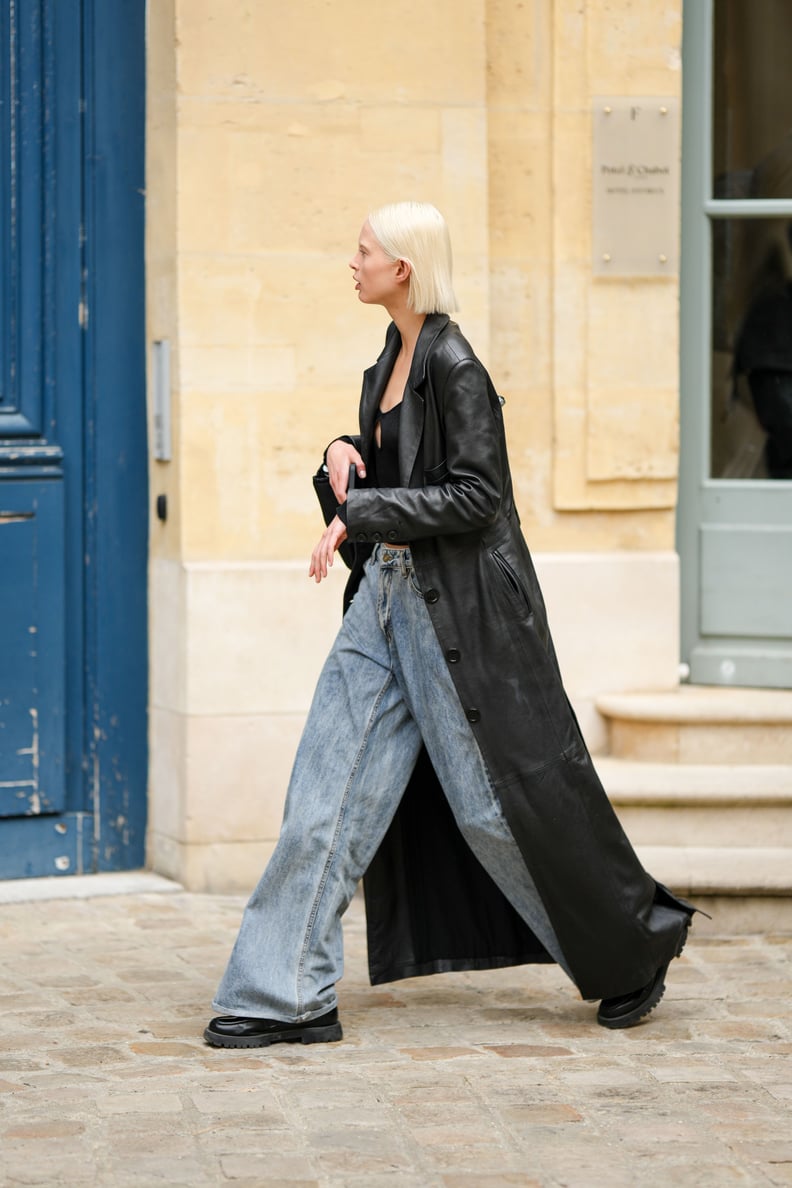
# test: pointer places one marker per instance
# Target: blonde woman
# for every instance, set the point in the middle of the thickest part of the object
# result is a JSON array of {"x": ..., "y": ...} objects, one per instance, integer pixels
[{"x": 440, "y": 758}]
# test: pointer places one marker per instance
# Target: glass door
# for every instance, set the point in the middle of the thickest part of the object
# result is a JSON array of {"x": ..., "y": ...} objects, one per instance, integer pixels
[{"x": 735, "y": 514}]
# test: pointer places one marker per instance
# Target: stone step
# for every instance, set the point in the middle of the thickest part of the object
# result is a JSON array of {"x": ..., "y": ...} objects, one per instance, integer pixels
[
  {"x": 696, "y": 804},
  {"x": 744, "y": 888},
  {"x": 698, "y": 724}
]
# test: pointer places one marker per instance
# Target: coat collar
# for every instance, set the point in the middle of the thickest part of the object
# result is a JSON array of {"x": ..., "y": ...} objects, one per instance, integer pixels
[{"x": 412, "y": 415}]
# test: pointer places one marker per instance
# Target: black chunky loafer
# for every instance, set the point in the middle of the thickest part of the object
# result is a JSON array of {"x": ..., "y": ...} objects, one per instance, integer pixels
[
  {"x": 240, "y": 1031},
  {"x": 628, "y": 1009}
]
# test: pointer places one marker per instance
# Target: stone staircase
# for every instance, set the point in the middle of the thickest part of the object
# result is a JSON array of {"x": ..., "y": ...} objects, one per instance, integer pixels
[{"x": 702, "y": 780}]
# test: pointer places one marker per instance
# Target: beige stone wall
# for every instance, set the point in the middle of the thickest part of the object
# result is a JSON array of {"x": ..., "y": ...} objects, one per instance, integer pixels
[
  {"x": 294, "y": 120},
  {"x": 590, "y": 366},
  {"x": 272, "y": 129}
]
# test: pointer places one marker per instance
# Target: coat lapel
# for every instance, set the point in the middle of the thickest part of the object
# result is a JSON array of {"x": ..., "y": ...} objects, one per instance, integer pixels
[
  {"x": 412, "y": 414},
  {"x": 374, "y": 380}
]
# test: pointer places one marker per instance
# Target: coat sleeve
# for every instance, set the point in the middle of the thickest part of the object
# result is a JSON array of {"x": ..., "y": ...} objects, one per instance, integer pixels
[
  {"x": 462, "y": 494},
  {"x": 353, "y": 439}
]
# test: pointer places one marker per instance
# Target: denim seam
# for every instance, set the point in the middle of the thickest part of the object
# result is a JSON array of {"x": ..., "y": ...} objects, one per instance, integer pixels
[{"x": 334, "y": 844}]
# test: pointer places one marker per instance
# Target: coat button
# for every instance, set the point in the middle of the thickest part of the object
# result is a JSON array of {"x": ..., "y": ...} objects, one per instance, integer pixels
[
  {"x": 452, "y": 656},
  {"x": 392, "y": 535},
  {"x": 361, "y": 536},
  {"x": 473, "y": 715},
  {"x": 376, "y": 536},
  {"x": 431, "y": 595}
]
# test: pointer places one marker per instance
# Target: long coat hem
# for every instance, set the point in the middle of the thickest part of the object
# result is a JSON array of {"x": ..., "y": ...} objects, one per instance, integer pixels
[{"x": 378, "y": 977}]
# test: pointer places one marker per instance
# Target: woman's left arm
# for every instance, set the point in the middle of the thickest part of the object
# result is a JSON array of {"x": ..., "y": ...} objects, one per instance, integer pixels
[{"x": 468, "y": 496}]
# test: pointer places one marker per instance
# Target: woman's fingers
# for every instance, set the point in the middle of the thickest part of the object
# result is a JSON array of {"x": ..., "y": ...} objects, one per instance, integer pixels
[
  {"x": 323, "y": 555},
  {"x": 340, "y": 456}
]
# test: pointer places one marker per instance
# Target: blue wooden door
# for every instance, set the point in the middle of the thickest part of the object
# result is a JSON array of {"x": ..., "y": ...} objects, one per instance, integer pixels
[{"x": 73, "y": 502}]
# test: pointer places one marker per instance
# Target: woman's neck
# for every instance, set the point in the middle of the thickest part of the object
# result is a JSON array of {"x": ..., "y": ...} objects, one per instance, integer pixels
[{"x": 409, "y": 325}]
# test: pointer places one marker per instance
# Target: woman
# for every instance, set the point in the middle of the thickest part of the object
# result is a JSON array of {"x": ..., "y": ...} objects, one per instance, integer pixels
[{"x": 440, "y": 757}]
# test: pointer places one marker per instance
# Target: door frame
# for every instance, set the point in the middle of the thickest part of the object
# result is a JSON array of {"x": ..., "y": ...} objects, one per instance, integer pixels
[{"x": 116, "y": 445}]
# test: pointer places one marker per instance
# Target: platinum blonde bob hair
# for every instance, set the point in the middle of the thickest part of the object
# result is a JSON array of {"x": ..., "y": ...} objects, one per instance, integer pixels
[{"x": 417, "y": 232}]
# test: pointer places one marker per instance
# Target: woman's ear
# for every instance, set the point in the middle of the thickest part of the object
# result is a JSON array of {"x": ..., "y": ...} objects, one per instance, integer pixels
[{"x": 403, "y": 270}]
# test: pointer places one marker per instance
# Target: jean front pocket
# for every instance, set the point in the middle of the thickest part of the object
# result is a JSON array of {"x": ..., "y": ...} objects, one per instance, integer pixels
[{"x": 414, "y": 582}]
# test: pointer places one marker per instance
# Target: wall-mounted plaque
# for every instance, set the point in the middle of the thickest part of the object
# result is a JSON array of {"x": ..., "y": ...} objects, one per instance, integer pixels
[{"x": 635, "y": 206}]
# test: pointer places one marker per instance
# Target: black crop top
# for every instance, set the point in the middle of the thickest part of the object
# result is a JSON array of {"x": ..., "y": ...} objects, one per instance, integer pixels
[{"x": 385, "y": 456}]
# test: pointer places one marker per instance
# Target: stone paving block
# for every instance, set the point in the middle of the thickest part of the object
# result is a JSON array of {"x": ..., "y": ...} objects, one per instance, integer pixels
[
  {"x": 45, "y": 1171},
  {"x": 492, "y": 1160},
  {"x": 466, "y": 1113},
  {"x": 495, "y": 1086},
  {"x": 374, "y": 1115},
  {"x": 700, "y": 1174},
  {"x": 124, "y": 1146},
  {"x": 696, "y": 1074},
  {"x": 503, "y": 1180},
  {"x": 542, "y": 1114},
  {"x": 456, "y": 1135},
  {"x": 528, "y": 1051},
  {"x": 275, "y": 1182},
  {"x": 90, "y": 1056},
  {"x": 263, "y": 1169},
  {"x": 346, "y": 1161},
  {"x": 43, "y": 1129},
  {"x": 140, "y": 1103},
  {"x": 261, "y": 1103},
  {"x": 440, "y": 1053},
  {"x": 174, "y": 1172},
  {"x": 608, "y": 1077},
  {"x": 418, "y": 1097},
  {"x": 398, "y": 1180},
  {"x": 227, "y": 1136}
]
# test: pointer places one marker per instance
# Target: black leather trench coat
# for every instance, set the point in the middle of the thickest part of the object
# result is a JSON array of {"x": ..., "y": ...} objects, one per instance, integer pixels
[{"x": 430, "y": 906}]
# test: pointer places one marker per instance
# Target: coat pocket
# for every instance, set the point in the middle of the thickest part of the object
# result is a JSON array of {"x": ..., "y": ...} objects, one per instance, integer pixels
[
  {"x": 512, "y": 583},
  {"x": 436, "y": 474}
]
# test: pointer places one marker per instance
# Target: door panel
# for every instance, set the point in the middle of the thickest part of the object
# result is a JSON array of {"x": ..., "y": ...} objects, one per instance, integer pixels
[
  {"x": 32, "y": 645},
  {"x": 746, "y": 566},
  {"x": 22, "y": 221}
]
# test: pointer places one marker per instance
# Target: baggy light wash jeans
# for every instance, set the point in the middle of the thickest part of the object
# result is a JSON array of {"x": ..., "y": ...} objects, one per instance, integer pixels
[{"x": 384, "y": 689}]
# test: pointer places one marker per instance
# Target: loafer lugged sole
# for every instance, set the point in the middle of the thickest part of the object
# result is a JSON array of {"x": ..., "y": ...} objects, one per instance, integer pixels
[
  {"x": 237, "y": 1031},
  {"x": 629, "y": 1009}
]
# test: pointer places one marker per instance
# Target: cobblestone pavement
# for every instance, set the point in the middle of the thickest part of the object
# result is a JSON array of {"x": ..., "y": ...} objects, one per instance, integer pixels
[{"x": 460, "y": 1081}]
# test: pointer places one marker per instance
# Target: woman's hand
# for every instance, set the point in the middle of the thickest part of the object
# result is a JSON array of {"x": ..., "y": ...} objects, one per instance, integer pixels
[
  {"x": 338, "y": 459},
  {"x": 322, "y": 557}
]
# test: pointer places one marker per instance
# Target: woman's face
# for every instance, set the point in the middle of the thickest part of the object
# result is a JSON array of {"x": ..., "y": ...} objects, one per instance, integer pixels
[{"x": 376, "y": 275}]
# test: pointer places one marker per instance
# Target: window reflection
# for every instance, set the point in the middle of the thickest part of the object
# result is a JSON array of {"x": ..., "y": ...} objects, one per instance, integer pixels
[
  {"x": 752, "y": 101},
  {"x": 752, "y": 349},
  {"x": 751, "y": 426}
]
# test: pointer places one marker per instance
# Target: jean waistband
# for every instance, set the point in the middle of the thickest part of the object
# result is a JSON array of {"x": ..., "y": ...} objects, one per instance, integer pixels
[{"x": 391, "y": 554}]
